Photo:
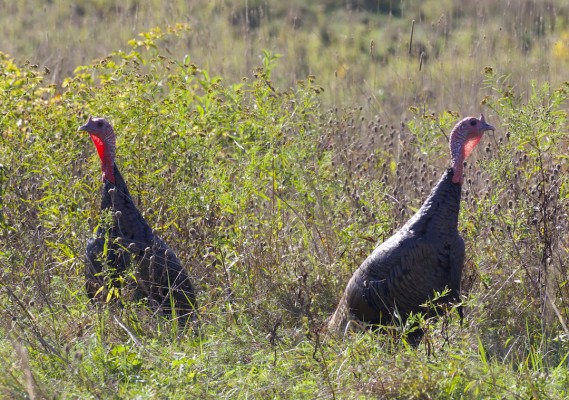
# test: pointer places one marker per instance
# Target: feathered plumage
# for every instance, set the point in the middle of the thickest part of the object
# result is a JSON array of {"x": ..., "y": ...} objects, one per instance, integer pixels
[
  {"x": 424, "y": 256},
  {"x": 128, "y": 243}
]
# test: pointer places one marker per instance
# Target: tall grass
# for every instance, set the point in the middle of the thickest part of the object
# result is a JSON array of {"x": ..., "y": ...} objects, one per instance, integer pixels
[
  {"x": 357, "y": 54},
  {"x": 272, "y": 196}
]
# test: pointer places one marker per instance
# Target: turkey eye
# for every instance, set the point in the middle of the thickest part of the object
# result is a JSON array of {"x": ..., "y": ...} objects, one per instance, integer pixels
[
  {"x": 100, "y": 124},
  {"x": 473, "y": 122}
]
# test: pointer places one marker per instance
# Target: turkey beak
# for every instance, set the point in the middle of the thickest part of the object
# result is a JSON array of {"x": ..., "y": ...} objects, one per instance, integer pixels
[
  {"x": 485, "y": 125},
  {"x": 488, "y": 127},
  {"x": 85, "y": 127}
]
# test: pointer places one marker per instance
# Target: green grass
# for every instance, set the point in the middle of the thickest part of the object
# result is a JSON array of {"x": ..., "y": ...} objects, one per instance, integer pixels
[{"x": 272, "y": 160}]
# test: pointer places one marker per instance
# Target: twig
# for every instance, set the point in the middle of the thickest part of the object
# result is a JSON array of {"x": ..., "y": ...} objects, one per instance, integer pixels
[
  {"x": 128, "y": 331},
  {"x": 411, "y": 39}
]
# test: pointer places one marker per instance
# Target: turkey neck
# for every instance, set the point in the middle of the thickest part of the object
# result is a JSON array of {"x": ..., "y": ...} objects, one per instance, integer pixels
[
  {"x": 108, "y": 168},
  {"x": 119, "y": 185},
  {"x": 106, "y": 150},
  {"x": 441, "y": 207}
]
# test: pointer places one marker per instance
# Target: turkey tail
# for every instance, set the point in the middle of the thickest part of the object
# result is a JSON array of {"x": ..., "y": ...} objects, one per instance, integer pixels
[{"x": 339, "y": 320}]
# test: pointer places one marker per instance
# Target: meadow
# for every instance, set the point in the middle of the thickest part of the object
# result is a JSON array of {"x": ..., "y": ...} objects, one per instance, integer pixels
[{"x": 273, "y": 147}]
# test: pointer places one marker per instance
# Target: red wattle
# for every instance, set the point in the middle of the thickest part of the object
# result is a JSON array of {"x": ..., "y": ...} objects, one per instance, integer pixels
[
  {"x": 99, "y": 145},
  {"x": 106, "y": 160},
  {"x": 471, "y": 142}
]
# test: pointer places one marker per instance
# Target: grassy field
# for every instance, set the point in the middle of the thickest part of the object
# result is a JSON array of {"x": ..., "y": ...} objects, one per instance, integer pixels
[{"x": 273, "y": 147}]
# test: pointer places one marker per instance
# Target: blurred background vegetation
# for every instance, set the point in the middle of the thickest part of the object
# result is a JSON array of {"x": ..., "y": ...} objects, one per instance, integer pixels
[
  {"x": 359, "y": 50},
  {"x": 273, "y": 145}
]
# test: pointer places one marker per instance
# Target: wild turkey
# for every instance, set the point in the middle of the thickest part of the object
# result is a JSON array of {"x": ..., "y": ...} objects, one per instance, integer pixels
[
  {"x": 424, "y": 256},
  {"x": 127, "y": 243}
]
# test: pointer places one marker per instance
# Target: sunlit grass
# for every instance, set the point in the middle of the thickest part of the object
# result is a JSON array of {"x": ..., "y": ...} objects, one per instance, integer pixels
[{"x": 272, "y": 185}]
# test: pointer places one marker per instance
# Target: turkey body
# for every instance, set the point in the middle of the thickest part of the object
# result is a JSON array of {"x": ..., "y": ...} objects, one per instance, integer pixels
[
  {"x": 125, "y": 244},
  {"x": 424, "y": 256}
]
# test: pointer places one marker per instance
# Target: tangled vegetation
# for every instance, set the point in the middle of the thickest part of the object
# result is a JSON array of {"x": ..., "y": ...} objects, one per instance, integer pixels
[{"x": 271, "y": 196}]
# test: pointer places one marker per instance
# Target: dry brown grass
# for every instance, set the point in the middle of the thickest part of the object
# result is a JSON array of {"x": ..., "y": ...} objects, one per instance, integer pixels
[{"x": 356, "y": 55}]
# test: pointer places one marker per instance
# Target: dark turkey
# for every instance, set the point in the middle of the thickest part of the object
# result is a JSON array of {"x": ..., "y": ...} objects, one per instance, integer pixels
[
  {"x": 125, "y": 243},
  {"x": 425, "y": 256}
]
